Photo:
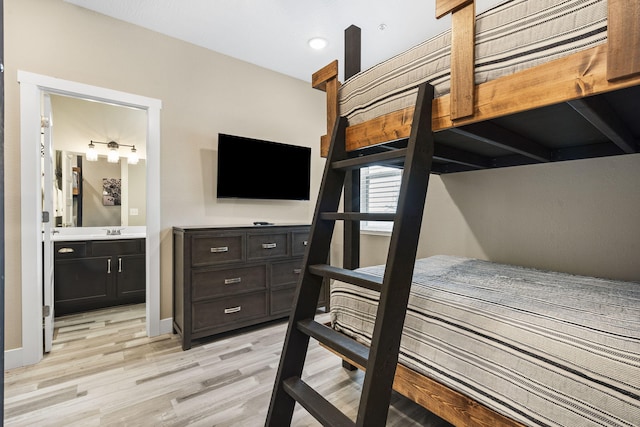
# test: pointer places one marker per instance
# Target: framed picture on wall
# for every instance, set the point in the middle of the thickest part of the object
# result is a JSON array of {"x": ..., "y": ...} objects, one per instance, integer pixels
[{"x": 111, "y": 192}]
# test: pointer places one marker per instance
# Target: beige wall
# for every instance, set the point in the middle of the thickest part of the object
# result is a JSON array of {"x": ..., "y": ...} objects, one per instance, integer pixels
[
  {"x": 581, "y": 217},
  {"x": 137, "y": 183},
  {"x": 202, "y": 93},
  {"x": 94, "y": 212}
]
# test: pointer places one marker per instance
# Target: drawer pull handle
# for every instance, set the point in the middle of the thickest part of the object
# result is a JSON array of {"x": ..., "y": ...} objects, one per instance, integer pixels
[
  {"x": 232, "y": 281},
  {"x": 109, "y": 266},
  {"x": 297, "y": 270},
  {"x": 66, "y": 250},
  {"x": 220, "y": 249},
  {"x": 305, "y": 243},
  {"x": 232, "y": 310},
  {"x": 119, "y": 265},
  {"x": 269, "y": 245}
]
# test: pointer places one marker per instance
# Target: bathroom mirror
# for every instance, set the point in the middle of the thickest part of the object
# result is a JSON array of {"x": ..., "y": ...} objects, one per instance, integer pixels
[{"x": 97, "y": 193}]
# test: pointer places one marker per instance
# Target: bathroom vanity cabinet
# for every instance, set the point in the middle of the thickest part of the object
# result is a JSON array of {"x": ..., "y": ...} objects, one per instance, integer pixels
[
  {"x": 95, "y": 274},
  {"x": 226, "y": 278}
]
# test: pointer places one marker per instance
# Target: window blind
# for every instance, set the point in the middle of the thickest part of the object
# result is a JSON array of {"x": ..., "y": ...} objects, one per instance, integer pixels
[{"x": 379, "y": 189}]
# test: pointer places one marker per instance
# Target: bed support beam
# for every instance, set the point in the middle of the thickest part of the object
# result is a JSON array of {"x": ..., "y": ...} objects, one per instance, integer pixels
[
  {"x": 497, "y": 136},
  {"x": 598, "y": 112},
  {"x": 463, "y": 23}
]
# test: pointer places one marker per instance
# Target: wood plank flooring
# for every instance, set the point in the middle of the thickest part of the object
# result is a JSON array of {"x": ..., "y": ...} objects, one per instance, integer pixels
[{"x": 105, "y": 371}]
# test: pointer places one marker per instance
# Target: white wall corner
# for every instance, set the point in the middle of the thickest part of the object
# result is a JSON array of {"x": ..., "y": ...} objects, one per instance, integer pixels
[
  {"x": 13, "y": 359},
  {"x": 166, "y": 326}
]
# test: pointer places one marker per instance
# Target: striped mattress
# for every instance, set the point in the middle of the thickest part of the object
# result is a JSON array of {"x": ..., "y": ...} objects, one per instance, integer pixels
[
  {"x": 511, "y": 37},
  {"x": 543, "y": 348}
]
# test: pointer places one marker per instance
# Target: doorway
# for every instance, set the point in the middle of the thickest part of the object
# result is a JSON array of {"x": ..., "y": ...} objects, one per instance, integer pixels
[{"x": 32, "y": 89}]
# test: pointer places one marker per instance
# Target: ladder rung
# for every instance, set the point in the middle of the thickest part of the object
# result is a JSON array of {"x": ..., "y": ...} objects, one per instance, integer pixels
[
  {"x": 350, "y": 276},
  {"x": 315, "y": 404},
  {"x": 348, "y": 347},
  {"x": 388, "y": 158},
  {"x": 358, "y": 216}
]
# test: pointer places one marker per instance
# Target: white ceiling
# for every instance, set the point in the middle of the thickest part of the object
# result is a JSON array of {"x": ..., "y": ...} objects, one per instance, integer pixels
[{"x": 274, "y": 33}]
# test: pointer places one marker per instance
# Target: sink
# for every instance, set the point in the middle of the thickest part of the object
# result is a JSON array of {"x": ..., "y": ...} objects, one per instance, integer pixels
[{"x": 97, "y": 233}]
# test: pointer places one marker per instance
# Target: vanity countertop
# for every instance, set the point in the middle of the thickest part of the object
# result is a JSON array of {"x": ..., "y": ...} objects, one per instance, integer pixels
[{"x": 62, "y": 234}]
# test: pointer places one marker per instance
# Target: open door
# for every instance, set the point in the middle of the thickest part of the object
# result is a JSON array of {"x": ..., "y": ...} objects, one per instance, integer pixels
[{"x": 48, "y": 189}]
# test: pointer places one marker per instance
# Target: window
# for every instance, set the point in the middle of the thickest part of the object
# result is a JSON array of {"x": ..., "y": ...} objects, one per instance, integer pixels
[{"x": 379, "y": 189}]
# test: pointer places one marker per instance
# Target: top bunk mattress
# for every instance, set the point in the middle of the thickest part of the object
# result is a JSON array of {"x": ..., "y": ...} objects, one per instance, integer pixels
[
  {"x": 543, "y": 348},
  {"x": 511, "y": 37}
]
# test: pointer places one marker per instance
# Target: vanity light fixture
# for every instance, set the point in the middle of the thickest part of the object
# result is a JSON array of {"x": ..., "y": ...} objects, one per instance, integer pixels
[
  {"x": 318, "y": 43},
  {"x": 112, "y": 156}
]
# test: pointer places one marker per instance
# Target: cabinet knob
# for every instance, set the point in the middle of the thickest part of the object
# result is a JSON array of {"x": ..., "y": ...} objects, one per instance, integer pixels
[
  {"x": 305, "y": 243},
  {"x": 232, "y": 309},
  {"x": 220, "y": 249},
  {"x": 269, "y": 245}
]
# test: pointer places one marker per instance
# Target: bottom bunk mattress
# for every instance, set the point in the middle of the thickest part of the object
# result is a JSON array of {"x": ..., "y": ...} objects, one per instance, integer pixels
[{"x": 543, "y": 348}]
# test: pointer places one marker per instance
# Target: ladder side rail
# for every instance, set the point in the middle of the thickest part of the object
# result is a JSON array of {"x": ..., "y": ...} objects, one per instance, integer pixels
[
  {"x": 385, "y": 345},
  {"x": 306, "y": 298}
]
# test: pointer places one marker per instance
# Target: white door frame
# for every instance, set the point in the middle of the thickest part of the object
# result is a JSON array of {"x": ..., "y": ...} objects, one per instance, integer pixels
[{"x": 31, "y": 88}]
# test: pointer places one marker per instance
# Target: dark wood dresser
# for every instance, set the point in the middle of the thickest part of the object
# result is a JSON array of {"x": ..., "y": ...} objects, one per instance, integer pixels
[{"x": 227, "y": 278}]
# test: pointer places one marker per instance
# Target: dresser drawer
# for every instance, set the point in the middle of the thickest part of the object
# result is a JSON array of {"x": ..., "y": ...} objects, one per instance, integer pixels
[
  {"x": 116, "y": 247},
  {"x": 282, "y": 300},
  {"x": 300, "y": 242},
  {"x": 286, "y": 272},
  {"x": 210, "y": 250},
  {"x": 67, "y": 250},
  {"x": 260, "y": 246},
  {"x": 208, "y": 283},
  {"x": 228, "y": 310}
]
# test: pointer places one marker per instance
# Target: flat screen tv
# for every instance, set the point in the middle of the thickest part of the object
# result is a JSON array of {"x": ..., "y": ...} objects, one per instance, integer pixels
[{"x": 256, "y": 169}]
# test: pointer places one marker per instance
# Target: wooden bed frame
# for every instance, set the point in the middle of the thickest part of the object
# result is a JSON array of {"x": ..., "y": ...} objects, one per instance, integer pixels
[{"x": 605, "y": 68}]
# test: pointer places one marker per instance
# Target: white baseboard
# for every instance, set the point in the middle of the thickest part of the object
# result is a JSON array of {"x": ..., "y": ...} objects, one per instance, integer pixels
[
  {"x": 166, "y": 326},
  {"x": 13, "y": 358}
]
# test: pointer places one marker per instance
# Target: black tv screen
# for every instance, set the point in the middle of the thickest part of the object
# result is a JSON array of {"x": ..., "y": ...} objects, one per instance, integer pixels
[{"x": 256, "y": 169}]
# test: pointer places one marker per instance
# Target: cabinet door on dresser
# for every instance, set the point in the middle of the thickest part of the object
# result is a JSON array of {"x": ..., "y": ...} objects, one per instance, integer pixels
[
  {"x": 82, "y": 284},
  {"x": 130, "y": 278},
  {"x": 127, "y": 267},
  {"x": 284, "y": 278}
]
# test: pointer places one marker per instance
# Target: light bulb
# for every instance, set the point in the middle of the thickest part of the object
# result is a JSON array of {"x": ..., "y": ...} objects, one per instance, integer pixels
[
  {"x": 92, "y": 154},
  {"x": 133, "y": 156}
]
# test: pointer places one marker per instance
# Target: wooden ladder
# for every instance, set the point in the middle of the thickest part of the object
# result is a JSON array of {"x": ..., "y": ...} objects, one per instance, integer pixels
[{"x": 381, "y": 357}]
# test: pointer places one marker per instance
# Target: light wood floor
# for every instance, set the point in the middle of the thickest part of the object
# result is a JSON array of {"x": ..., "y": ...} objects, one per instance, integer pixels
[{"x": 104, "y": 371}]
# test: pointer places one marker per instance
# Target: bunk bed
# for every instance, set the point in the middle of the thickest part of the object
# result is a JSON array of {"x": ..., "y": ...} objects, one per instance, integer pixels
[{"x": 580, "y": 101}]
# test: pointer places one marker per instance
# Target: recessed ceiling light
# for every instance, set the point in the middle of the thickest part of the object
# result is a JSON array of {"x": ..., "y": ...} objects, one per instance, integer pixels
[{"x": 318, "y": 43}]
